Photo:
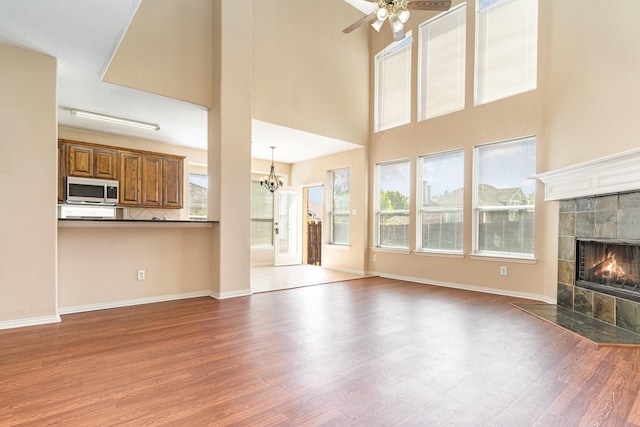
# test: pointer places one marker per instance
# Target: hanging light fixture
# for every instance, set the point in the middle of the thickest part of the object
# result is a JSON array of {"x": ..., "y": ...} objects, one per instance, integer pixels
[
  {"x": 272, "y": 182},
  {"x": 395, "y": 11}
]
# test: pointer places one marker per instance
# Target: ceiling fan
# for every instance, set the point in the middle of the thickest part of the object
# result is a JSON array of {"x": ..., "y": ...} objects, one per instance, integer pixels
[{"x": 397, "y": 13}]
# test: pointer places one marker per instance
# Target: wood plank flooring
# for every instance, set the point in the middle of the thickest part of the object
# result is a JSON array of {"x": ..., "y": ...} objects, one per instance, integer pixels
[{"x": 367, "y": 352}]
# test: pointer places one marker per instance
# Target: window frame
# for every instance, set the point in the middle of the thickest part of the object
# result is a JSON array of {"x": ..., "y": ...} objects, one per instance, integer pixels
[
  {"x": 191, "y": 198},
  {"x": 332, "y": 213},
  {"x": 256, "y": 181},
  {"x": 379, "y": 122},
  {"x": 511, "y": 208},
  {"x": 420, "y": 203},
  {"x": 424, "y": 65},
  {"x": 528, "y": 85},
  {"x": 404, "y": 212}
]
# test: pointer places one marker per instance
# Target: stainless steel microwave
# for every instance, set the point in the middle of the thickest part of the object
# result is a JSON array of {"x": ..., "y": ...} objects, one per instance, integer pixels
[{"x": 92, "y": 191}]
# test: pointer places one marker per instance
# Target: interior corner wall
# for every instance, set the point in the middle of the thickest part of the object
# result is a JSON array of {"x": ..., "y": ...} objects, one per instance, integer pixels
[
  {"x": 352, "y": 257},
  {"x": 28, "y": 167}
]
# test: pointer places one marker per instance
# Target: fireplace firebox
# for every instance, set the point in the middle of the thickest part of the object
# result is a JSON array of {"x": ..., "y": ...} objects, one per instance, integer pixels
[{"x": 609, "y": 266}]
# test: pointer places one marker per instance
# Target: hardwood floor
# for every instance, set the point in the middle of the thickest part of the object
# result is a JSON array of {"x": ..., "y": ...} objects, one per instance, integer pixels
[{"x": 369, "y": 352}]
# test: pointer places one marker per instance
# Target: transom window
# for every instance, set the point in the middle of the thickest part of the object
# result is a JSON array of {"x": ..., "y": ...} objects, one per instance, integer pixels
[
  {"x": 392, "y": 98},
  {"x": 506, "y": 48},
  {"x": 442, "y": 64}
]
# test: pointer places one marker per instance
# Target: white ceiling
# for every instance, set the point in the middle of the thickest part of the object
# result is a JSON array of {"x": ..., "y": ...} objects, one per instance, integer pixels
[{"x": 84, "y": 35}]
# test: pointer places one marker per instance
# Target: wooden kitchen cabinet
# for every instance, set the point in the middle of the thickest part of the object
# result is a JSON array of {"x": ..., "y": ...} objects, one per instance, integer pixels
[
  {"x": 172, "y": 177},
  {"x": 89, "y": 161},
  {"x": 151, "y": 180},
  {"x": 146, "y": 179},
  {"x": 130, "y": 177},
  {"x": 79, "y": 160}
]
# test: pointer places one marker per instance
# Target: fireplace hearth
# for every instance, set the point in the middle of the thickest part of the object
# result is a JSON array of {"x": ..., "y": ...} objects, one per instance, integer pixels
[{"x": 609, "y": 266}]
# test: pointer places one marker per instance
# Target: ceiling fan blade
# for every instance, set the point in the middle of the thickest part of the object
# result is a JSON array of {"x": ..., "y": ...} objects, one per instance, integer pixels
[
  {"x": 363, "y": 20},
  {"x": 429, "y": 5}
]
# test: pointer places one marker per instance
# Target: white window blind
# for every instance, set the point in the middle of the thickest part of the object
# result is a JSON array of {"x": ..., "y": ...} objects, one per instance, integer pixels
[
  {"x": 441, "y": 198},
  {"x": 442, "y": 64},
  {"x": 393, "y": 86},
  {"x": 506, "y": 48},
  {"x": 340, "y": 206},
  {"x": 393, "y": 197},
  {"x": 504, "y": 198},
  {"x": 261, "y": 215}
]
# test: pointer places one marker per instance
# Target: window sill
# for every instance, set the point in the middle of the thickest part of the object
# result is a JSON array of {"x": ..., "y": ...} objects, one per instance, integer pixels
[
  {"x": 391, "y": 250},
  {"x": 262, "y": 248},
  {"x": 498, "y": 258},
  {"x": 456, "y": 255}
]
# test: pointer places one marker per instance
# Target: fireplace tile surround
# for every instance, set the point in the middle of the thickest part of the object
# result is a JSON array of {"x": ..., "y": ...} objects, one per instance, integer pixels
[{"x": 612, "y": 216}]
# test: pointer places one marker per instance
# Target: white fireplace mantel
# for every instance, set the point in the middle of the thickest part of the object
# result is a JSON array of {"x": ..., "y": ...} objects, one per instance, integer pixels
[{"x": 611, "y": 174}]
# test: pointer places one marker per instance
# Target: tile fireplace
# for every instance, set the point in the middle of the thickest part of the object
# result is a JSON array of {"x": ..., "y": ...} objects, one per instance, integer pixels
[{"x": 599, "y": 237}]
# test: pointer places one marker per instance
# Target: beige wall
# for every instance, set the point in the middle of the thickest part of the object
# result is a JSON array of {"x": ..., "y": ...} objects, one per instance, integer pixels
[
  {"x": 308, "y": 75},
  {"x": 28, "y": 158},
  {"x": 97, "y": 266},
  {"x": 166, "y": 50},
  {"x": 590, "y": 106},
  {"x": 352, "y": 257},
  {"x": 514, "y": 117}
]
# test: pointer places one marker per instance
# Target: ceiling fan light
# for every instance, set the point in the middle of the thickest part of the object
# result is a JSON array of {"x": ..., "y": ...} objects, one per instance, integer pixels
[
  {"x": 382, "y": 14},
  {"x": 404, "y": 16},
  {"x": 400, "y": 35},
  {"x": 397, "y": 26},
  {"x": 377, "y": 25}
]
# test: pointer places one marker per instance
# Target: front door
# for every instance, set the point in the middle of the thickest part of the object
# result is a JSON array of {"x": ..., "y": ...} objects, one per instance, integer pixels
[{"x": 288, "y": 226}]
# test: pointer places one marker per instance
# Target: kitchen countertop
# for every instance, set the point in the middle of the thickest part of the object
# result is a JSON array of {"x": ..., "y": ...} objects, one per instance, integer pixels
[{"x": 95, "y": 222}]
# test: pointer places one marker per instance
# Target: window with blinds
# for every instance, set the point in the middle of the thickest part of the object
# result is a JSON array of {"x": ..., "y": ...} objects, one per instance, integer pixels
[
  {"x": 441, "y": 202},
  {"x": 504, "y": 198},
  {"x": 506, "y": 48},
  {"x": 441, "y": 64},
  {"x": 392, "y": 98},
  {"x": 393, "y": 197},
  {"x": 261, "y": 215},
  {"x": 340, "y": 206}
]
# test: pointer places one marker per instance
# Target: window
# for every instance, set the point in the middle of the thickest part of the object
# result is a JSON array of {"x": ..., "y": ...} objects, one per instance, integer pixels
[
  {"x": 392, "y": 204},
  {"x": 261, "y": 215},
  {"x": 392, "y": 103},
  {"x": 441, "y": 192},
  {"x": 442, "y": 64},
  {"x": 198, "y": 187},
  {"x": 506, "y": 48},
  {"x": 505, "y": 198},
  {"x": 339, "y": 207}
]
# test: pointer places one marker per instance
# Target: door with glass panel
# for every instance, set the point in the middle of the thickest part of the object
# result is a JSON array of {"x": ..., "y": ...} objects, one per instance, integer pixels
[{"x": 288, "y": 226}]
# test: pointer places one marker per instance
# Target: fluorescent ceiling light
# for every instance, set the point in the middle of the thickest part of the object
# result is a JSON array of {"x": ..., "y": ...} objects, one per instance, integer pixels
[{"x": 112, "y": 119}]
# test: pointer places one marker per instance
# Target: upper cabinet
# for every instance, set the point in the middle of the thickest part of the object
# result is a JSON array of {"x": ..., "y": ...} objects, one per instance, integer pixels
[{"x": 146, "y": 179}]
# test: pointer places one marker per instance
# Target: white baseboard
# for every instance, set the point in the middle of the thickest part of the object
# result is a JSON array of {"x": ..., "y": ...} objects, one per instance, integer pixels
[
  {"x": 474, "y": 288},
  {"x": 34, "y": 321},
  {"x": 131, "y": 302},
  {"x": 232, "y": 294}
]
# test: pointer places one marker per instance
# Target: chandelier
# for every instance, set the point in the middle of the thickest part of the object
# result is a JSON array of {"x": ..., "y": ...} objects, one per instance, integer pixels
[
  {"x": 272, "y": 182},
  {"x": 395, "y": 11}
]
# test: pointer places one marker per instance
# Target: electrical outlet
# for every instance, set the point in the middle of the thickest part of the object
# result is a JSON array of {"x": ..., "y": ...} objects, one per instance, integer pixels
[
  {"x": 375, "y": 258},
  {"x": 141, "y": 274},
  {"x": 503, "y": 270}
]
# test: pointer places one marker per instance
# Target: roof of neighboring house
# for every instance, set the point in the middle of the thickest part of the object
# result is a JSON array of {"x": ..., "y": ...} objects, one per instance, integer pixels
[{"x": 488, "y": 196}]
